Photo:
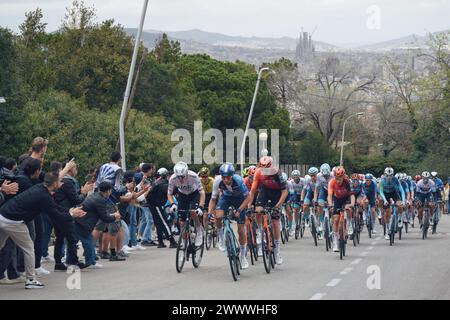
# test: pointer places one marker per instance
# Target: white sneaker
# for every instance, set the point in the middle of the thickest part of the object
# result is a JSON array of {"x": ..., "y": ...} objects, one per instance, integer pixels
[
  {"x": 199, "y": 239},
  {"x": 41, "y": 271},
  {"x": 278, "y": 259},
  {"x": 400, "y": 223},
  {"x": 349, "y": 229},
  {"x": 138, "y": 247},
  {"x": 260, "y": 253},
  {"x": 258, "y": 237},
  {"x": 244, "y": 263},
  {"x": 95, "y": 266},
  {"x": 374, "y": 231},
  {"x": 47, "y": 259},
  {"x": 307, "y": 224},
  {"x": 63, "y": 259},
  {"x": 291, "y": 232},
  {"x": 386, "y": 237},
  {"x": 33, "y": 284}
]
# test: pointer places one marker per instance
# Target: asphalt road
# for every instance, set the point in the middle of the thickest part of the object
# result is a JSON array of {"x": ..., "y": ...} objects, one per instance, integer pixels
[{"x": 411, "y": 269}]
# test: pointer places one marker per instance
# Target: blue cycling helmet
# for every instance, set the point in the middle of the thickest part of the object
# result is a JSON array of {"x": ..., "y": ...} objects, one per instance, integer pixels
[
  {"x": 368, "y": 176},
  {"x": 226, "y": 169}
]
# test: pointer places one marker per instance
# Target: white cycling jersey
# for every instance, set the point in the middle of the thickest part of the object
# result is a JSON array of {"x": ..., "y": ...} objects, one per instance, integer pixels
[{"x": 187, "y": 185}]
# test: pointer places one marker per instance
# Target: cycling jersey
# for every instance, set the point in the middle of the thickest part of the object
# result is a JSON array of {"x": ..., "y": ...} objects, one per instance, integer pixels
[
  {"x": 248, "y": 182},
  {"x": 268, "y": 182},
  {"x": 358, "y": 188},
  {"x": 340, "y": 191},
  {"x": 298, "y": 187},
  {"x": 322, "y": 181},
  {"x": 405, "y": 186},
  {"x": 112, "y": 173},
  {"x": 370, "y": 190},
  {"x": 187, "y": 185},
  {"x": 391, "y": 189},
  {"x": 439, "y": 184},
  {"x": 236, "y": 189},
  {"x": 425, "y": 188},
  {"x": 208, "y": 187}
]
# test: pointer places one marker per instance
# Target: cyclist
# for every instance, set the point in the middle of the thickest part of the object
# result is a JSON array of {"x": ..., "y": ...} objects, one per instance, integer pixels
[
  {"x": 390, "y": 188},
  {"x": 358, "y": 191},
  {"x": 412, "y": 190},
  {"x": 233, "y": 193},
  {"x": 370, "y": 195},
  {"x": 298, "y": 183},
  {"x": 439, "y": 189},
  {"x": 424, "y": 191},
  {"x": 207, "y": 183},
  {"x": 340, "y": 195},
  {"x": 321, "y": 192},
  {"x": 308, "y": 196},
  {"x": 271, "y": 188},
  {"x": 248, "y": 180},
  {"x": 406, "y": 187},
  {"x": 190, "y": 196}
]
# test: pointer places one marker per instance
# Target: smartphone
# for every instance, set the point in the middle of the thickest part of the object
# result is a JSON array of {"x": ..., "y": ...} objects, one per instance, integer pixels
[{"x": 73, "y": 159}]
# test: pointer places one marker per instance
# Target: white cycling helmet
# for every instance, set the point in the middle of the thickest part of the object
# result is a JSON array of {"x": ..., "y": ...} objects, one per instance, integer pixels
[
  {"x": 181, "y": 169},
  {"x": 325, "y": 169},
  {"x": 434, "y": 174},
  {"x": 313, "y": 171},
  {"x": 425, "y": 175},
  {"x": 295, "y": 173},
  {"x": 162, "y": 172},
  {"x": 389, "y": 171}
]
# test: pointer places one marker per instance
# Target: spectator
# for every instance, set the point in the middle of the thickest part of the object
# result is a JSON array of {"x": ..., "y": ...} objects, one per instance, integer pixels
[
  {"x": 24, "y": 208},
  {"x": 156, "y": 201},
  {"x": 148, "y": 170},
  {"x": 96, "y": 207}
]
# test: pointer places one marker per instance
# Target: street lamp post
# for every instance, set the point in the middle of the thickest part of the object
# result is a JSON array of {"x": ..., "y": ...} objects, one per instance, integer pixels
[
  {"x": 128, "y": 88},
  {"x": 2, "y": 100},
  {"x": 250, "y": 114},
  {"x": 341, "y": 162}
]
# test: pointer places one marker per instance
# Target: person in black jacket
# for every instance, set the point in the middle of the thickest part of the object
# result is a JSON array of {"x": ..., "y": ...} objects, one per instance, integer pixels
[
  {"x": 24, "y": 208},
  {"x": 156, "y": 200},
  {"x": 96, "y": 207},
  {"x": 68, "y": 196}
]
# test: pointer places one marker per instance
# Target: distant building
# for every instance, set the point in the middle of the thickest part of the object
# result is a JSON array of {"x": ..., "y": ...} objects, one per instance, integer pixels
[{"x": 305, "y": 48}]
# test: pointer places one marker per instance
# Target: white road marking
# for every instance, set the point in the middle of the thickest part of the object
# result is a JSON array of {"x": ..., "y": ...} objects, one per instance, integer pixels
[
  {"x": 356, "y": 261},
  {"x": 346, "y": 270},
  {"x": 333, "y": 282},
  {"x": 318, "y": 296}
]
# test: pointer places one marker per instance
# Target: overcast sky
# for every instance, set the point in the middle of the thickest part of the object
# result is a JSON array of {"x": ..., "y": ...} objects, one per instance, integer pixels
[{"x": 338, "y": 21}]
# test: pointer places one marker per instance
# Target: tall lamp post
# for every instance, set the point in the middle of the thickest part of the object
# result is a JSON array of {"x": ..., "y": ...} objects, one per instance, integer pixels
[
  {"x": 2, "y": 100},
  {"x": 341, "y": 162},
  {"x": 128, "y": 88},
  {"x": 251, "y": 113}
]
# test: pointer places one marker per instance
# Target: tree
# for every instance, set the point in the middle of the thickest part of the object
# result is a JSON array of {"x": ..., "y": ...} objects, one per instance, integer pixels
[{"x": 283, "y": 82}]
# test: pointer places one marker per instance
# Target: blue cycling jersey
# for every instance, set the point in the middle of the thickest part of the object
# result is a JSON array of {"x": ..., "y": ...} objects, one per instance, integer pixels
[
  {"x": 439, "y": 184},
  {"x": 405, "y": 186},
  {"x": 358, "y": 188},
  {"x": 392, "y": 186},
  {"x": 370, "y": 190},
  {"x": 237, "y": 188}
]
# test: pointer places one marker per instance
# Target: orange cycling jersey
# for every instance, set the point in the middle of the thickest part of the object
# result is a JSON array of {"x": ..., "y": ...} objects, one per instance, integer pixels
[
  {"x": 269, "y": 182},
  {"x": 340, "y": 191},
  {"x": 248, "y": 183}
]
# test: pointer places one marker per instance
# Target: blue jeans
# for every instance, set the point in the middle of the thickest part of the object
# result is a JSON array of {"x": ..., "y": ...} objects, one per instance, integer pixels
[
  {"x": 146, "y": 224},
  {"x": 46, "y": 235},
  {"x": 133, "y": 225},
  {"x": 88, "y": 246}
]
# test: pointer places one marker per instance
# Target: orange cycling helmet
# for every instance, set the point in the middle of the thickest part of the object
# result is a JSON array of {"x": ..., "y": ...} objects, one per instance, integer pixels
[
  {"x": 339, "y": 172},
  {"x": 355, "y": 176}
]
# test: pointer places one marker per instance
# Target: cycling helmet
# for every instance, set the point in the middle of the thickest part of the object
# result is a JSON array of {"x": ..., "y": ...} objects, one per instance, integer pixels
[
  {"x": 295, "y": 173},
  {"x": 245, "y": 172},
  {"x": 425, "y": 174},
  {"x": 284, "y": 177},
  {"x": 265, "y": 162},
  {"x": 339, "y": 172},
  {"x": 325, "y": 169},
  {"x": 361, "y": 177},
  {"x": 251, "y": 170},
  {"x": 162, "y": 172},
  {"x": 355, "y": 176},
  {"x": 434, "y": 174},
  {"x": 313, "y": 171},
  {"x": 181, "y": 169},
  {"x": 409, "y": 178},
  {"x": 389, "y": 171},
  {"x": 204, "y": 172},
  {"x": 226, "y": 169},
  {"x": 368, "y": 176}
]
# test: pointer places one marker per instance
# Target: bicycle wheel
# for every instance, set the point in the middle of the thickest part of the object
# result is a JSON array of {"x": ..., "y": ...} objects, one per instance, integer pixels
[
  {"x": 313, "y": 229},
  {"x": 231, "y": 256},
  {"x": 250, "y": 244},
  {"x": 181, "y": 250},
  {"x": 297, "y": 226},
  {"x": 255, "y": 247},
  {"x": 406, "y": 226},
  {"x": 266, "y": 250},
  {"x": 272, "y": 250},
  {"x": 354, "y": 225},
  {"x": 326, "y": 233},
  {"x": 283, "y": 230},
  {"x": 302, "y": 227},
  {"x": 425, "y": 225},
  {"x": 392, "y": 231},
  {"x": 197, "y": 254},
  {"x": 214, "y": 237},
  {"x": 209, "y": 238},
  {"x": 369, "y": 224},
  {"x": 341, "y": 242}
]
